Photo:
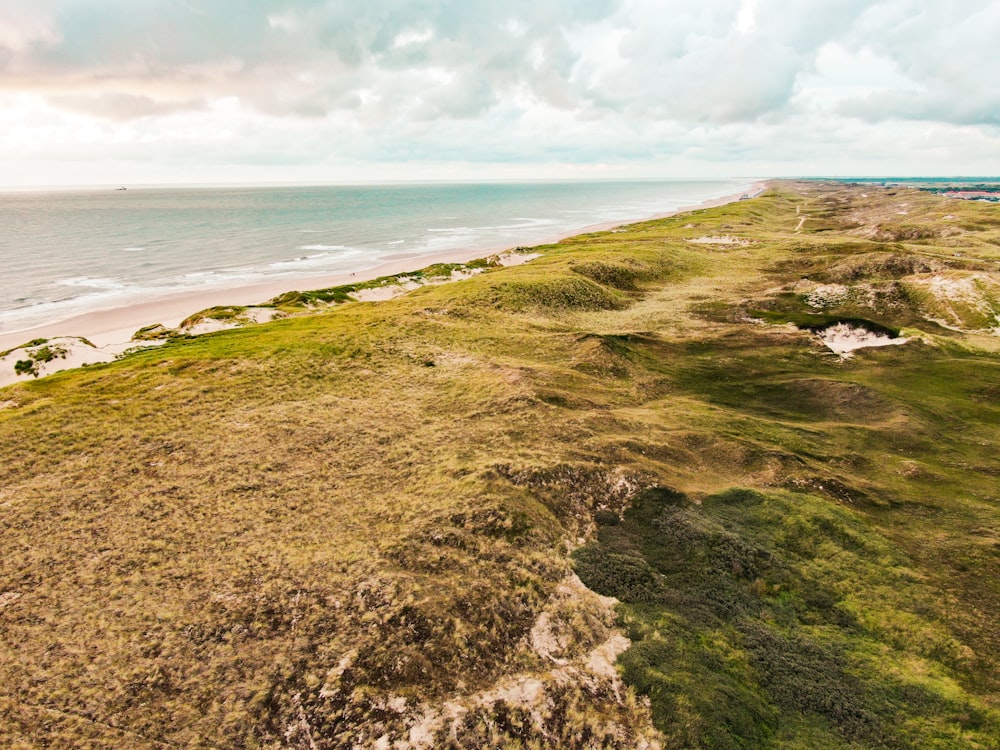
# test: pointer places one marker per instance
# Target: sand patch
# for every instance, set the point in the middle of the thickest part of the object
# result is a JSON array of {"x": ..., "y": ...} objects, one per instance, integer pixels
[
  {"x": 260, "y": 314},
  {"x": 844, "y": 339},
  {"x": 385, "y": 292},
  {"x": 209, "y": 325},
  {"x": 514, "y": 258},
  {"x": 46, "y": 356},
  {"x": 724, "y": 239},
  {"x": 545, "y": 640},
  {"x": 601, "y": 660},
  {"x": 826, "y": 295}
]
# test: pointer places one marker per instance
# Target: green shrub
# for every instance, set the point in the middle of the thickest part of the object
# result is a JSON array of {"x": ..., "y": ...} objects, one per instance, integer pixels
[
  {"x": 740, "y": 630},
  {"x": 623, "y": 576},
  {"x": 49, "y": 353},
  {"x": 735, "y": 496},
  {"x": 617, "y": 275},
  {"x": 556, "y": 293},
  {"x": 151, "y": 332},
  {"x": 606, "y": 518}
]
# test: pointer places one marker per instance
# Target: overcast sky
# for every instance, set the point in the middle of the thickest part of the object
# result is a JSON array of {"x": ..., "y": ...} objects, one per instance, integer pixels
[{"x": 148, "y": 91}]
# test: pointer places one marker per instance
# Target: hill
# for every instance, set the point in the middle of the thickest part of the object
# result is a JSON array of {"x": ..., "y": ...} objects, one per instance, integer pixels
[{"x": 396, "y": 524}]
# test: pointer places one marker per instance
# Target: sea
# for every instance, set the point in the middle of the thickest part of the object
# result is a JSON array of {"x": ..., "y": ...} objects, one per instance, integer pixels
[{"x": 68, "y": 252}]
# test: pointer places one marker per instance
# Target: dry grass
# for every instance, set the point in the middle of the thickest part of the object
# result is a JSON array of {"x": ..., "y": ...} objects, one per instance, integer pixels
[{"x": 319, "y": 531}]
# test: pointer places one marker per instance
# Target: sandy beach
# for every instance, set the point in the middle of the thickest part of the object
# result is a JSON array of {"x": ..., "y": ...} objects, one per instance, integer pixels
[{"x": 115, "y": 326}]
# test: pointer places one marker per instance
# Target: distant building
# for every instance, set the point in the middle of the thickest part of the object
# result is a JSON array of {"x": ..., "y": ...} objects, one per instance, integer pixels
[{"x": 974, "y": 195}]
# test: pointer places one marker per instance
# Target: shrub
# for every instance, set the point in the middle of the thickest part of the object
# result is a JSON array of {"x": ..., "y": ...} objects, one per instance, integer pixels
[
  {"x": 555, "y": 293},
  {"x": 49, "y": 353},
  {"x": 735, "y": 496},
  {"x": 617, "y": 275},
  {"x": 623, "y": 576},
  {"x": 606, "y": 518}
]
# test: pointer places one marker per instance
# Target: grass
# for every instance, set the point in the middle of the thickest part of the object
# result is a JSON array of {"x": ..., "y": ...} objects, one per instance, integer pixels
[
  {"x": 323, "y": 529},
  {"x": 752, "y": 613}
]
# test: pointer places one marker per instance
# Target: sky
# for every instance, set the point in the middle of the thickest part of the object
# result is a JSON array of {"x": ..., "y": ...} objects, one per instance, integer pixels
[{"x": 224, "y": 91}]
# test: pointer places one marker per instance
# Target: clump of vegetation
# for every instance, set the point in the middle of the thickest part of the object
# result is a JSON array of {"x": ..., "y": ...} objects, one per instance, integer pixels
[
  {"x": 39, "y": 352},
  {"x": 49, "y": 353},
  {"x": 223, "y": 313},
  {"x": 623, "y": 275},
  {"x": 154, "y": 332},
  {"x": 555, "y": 293},
  {"x": 334, "y": 295},
  {"x": 26, "y": 367}
]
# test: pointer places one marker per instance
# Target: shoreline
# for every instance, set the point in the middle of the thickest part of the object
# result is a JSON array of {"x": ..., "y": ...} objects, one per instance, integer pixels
[{"x": 115, "y": 326}]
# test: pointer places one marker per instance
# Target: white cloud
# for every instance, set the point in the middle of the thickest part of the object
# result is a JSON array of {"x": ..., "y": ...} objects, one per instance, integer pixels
[
  {"x": 746, "y": 19},
  {"x": 21, "y": 29},
  {"x": 661, "y": 85}
]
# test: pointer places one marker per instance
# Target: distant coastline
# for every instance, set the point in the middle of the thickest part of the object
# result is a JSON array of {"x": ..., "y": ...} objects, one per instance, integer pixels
[{"x": 114, "y": 325}]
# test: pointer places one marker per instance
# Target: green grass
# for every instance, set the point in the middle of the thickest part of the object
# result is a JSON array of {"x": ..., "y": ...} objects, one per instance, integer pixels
[
  {"x": 324, "y": 528},
  {"x": 754, "y": 613}
]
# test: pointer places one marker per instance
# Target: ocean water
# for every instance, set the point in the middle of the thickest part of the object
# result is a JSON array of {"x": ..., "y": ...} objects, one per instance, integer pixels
[{"x": 68, "y": 252}]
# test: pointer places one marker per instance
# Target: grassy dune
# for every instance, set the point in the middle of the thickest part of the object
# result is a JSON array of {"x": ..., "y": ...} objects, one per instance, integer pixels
[{"x": 360, "y": 526}]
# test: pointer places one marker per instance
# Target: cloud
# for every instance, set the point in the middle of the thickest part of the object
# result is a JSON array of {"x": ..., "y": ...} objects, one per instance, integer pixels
[
  {"x": 716, "y": 61},
  {"x": 975, "y": 108},
  {"x": 949, "y": 53},
  {"x": 529, "y": 81},
  {"x": 122, "y": 107}
]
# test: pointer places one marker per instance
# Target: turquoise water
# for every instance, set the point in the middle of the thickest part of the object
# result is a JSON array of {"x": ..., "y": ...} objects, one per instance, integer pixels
[{"x": 64, "y": 253}]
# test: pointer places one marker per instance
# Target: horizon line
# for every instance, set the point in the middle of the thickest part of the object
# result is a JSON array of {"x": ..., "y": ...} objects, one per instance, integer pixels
[{"x": 473, "y": 181}]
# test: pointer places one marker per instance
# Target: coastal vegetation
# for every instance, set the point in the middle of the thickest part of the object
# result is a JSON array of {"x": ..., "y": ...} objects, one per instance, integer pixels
[
  {"x": 38, "y": 351},
  {"x": 395, "y": 524}
]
